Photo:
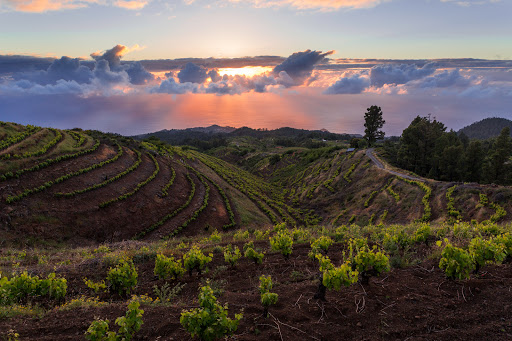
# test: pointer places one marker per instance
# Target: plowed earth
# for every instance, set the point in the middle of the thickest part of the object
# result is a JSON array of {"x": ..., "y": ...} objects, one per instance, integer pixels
[
  {"x": 79, "y": 219},
  {"x": 415, "y": 303}
]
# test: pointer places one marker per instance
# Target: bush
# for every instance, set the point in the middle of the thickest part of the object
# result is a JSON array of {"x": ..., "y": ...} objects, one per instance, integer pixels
[
  {"x": 123, "y": 278},
  {"x": 23, "y": 286},
  {"x": 282, "y": 242},
  {"x": 168, "y": 268},
  {"x": 241, "y": 235},
  {"x": 256, "y": 256},
  {"x": 486, "y": 251},
  {"x": 455, "y": 262},
  {"x": 194, "y": 259},
  {"x": 210, "y": 321},
  {"x": 232, "y": 255},
  {"x": 370, "y": 262},
  {"x": 128, "y": 325},
  {"x": 318, "y": 245},
  {"x": 267, "y": 298}
]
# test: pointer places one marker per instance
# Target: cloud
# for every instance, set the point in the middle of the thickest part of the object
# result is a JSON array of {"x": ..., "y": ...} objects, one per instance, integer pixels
[
  {"x": 104, "y": 75},
  {"x": 112, "y": 56},
  {"x": 65, "y": 68},
  {"x": 193, "y": 73},
  {"x": 322, "y": 5},
  {"x": 399, "y": 74},
  {"x": 354, "y": 84},
  {"x": 445, "y": 79},
  {"x": 131, "y": 4},
  {"x": 169, "y": 86},
  {"x": 467, "y": 3},
  {"x": 40, "y": 6},
  {"x": 136, "y": 72},
  {"x": 214, "y": 75},
  {"x": 223, "y": 87},
  {"x": 299, "y": 66}
]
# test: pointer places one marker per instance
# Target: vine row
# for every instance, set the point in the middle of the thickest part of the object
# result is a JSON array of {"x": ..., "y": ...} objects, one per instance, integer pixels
[
  {"x": 19, "y": 137},
  {"x": 44, "y": 149},
  {"x": 173, "y": 213},
  {"x": 137, "y": 188},
  {"x": 48, "y": 162},
  {"x": 196, "y": 212},
  {"x": 90, "y": 168}
]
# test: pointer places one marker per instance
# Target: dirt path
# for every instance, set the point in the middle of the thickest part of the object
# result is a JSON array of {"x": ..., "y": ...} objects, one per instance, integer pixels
[{"x": 379, "y": 164}]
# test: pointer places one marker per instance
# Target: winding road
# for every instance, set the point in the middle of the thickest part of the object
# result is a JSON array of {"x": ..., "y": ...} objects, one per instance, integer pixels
[{"x": 369, "y": 153}]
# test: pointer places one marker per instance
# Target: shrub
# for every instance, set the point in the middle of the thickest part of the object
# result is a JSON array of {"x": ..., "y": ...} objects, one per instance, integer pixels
[
  {"x": 422, "y": 233},
  {"x": 241, "y": 235},
  {"x": 215, "y": 236},
  {"x": 232, "y": 255},
  {"x": 267, "y": 298},
  {"x": 256, "y": 256},
  {"x": 318, "y": 245},
  {"x": 455, "y": 262},
  {"x": 282, "y": 242},
  {"x": 300, "y": 235},
  {"x": 96, "y": 286},
  {"x": 194, "y": 259},
  {"x": 332, "y": 277},
  {"x": 23, "y": 286},
  {"x": 123, "y": 278},
  {"x": 369, "y": 262},
  {"x": 168, "y": 268},
  {"x": 210, "y": 321},
  {"x": 486, "y": 251},
  {"x": 260, "y": 235},
  {"x": 128, "y": 326}
]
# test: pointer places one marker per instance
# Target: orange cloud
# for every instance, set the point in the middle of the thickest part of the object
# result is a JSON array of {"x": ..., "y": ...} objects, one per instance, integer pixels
[
  {"x": 39, "y": 6},
  {"x": 131, "y": 4}
]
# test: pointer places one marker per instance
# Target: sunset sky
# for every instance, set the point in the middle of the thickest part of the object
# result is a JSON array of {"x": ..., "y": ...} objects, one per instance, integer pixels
[{"x": 135, "y": 66}]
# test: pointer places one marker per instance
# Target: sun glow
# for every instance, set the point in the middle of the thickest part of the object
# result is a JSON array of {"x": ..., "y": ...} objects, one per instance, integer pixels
[{"x": 248, "y": 71}]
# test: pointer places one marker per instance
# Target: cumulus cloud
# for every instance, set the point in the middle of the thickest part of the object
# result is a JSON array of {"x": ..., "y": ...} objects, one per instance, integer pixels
[
  {"x": 169, "y": 86},
  {"x": 193, "y": 73},
  {"x": 39, "y": 6},
  {"x": 445, "y": 79},
  {"x": 65, "y": 68},
  {"x": 136, "y": 72},
  {"x": 299, "y": 66},
  {"x": 399, "y": 74},
  {"x": 105, "y": 74},
  {"x": 354, "y": 84}
]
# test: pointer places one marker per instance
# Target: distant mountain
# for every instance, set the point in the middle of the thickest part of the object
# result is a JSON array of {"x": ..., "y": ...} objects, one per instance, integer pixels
[
  {"x": 199, "y": 135},
  {"x": 486, "y": 128}
]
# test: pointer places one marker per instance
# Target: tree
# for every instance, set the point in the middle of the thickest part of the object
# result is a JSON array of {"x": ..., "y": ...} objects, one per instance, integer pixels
[
  {"x": 373, "y": 122},
  {"x": 498, "y": 168}
]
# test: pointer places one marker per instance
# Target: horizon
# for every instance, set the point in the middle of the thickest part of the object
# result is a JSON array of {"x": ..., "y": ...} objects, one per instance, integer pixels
[{"x": 147, "y": 65}]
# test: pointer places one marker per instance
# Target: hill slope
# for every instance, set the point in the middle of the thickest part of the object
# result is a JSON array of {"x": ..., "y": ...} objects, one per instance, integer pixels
[
  {"x": 486, "y": 128},
  {"x": 85, "y": 187}
]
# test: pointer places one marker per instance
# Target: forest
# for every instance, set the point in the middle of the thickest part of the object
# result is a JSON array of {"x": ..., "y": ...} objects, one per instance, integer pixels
[{"x": 427, "y": 149}]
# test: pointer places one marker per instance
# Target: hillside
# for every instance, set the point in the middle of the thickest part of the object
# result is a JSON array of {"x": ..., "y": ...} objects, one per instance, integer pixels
[
  {"x": 486, "y": 128},
  {"x": 92, "y": 224},
  {"x": 113, "y": 188}
]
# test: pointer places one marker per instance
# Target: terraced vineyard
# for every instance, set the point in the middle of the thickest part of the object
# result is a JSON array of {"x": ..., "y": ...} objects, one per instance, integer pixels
[
  {"x": 321, "y": 241},
  {"x": 87, "y": 187}
]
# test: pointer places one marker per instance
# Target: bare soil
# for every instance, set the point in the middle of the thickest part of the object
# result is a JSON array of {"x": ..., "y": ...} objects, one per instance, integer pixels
[{"x": 416, "y": 303}]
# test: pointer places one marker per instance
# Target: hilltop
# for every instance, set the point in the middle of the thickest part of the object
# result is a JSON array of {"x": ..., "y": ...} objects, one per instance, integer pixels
[{"x": 486, "y": 128}]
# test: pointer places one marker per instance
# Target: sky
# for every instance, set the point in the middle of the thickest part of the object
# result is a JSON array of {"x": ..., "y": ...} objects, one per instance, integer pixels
[{"x": 136, "y": 66}]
